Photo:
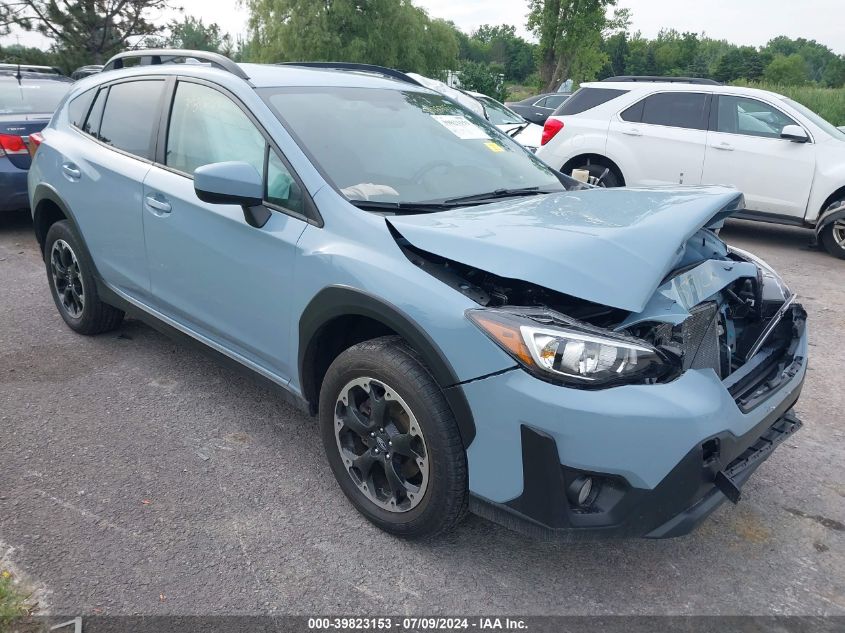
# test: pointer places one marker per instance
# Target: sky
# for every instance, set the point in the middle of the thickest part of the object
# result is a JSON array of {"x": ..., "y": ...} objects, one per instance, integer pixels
[{"x": 752, "y": 22}]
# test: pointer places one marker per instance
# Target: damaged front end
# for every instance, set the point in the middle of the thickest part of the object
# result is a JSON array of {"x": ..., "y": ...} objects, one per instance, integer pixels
[{"x": 721, "y": 309}]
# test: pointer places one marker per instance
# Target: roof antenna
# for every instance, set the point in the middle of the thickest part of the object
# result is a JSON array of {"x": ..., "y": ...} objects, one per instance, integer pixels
[{"x": 18, "y": 76}]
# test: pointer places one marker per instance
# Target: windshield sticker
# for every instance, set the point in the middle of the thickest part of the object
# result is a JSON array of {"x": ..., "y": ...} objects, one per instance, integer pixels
[
  {"x": 494, "y": 147},
  {"x": 460, "y": 126}
]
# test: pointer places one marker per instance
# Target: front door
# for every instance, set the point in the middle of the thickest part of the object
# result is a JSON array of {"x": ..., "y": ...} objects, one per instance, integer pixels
[
  {"x": 210, "y": 271},
  {"x": 744, "y": 149}
]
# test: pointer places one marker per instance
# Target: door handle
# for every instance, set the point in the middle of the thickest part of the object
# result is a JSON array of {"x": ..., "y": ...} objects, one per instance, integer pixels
[
  {"x": 71, "y": 171},
  {"x": 157, "y": 205},
  {"x": 723, "y": 146},
  {"x": 632, "y": 132}
]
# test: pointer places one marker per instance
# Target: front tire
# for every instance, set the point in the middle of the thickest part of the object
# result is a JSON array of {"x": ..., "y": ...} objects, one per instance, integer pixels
[
  {"x": 70, "y": 274},
  {"x": 392, "y": 441},
  {"x": 833, "y": 238}
]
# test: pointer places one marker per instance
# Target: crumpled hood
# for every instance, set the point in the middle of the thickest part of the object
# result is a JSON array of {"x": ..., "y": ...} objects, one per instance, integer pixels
[{"x": 609, "y": 246}]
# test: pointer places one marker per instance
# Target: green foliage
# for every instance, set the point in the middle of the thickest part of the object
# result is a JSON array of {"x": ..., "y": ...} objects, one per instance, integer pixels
[
  {"x": 570, "y": 36},
  {"x": 484, "y": 78},
  {"x": 787, "y": 70},
  {"x": 29, "y": 55},
  {"x": 501, "y": 45},
  {"x": 84, "y": 31},
  {"x": 14, "y": 605},
  {"x": 391, "y": 33},
  {"x": 192, "y": 33}
]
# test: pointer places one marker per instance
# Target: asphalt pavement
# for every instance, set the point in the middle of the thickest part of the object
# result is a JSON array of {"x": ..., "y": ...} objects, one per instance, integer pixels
[{"x": 138, "y": 476}]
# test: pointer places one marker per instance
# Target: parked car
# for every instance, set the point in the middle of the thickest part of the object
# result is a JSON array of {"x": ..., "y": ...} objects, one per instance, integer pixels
[
  {"x": 523, "y": 132},
  {"x": 86, "y": 71},
  {"x": 786, "y": 159},
  {"x": 28, "y": 97},
  {"x": 472, "y": 328},
  {"x": 538, "y": 108}
]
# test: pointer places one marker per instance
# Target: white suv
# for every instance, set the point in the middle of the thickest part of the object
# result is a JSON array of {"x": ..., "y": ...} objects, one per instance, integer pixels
[{"x": 786, "y": 159}]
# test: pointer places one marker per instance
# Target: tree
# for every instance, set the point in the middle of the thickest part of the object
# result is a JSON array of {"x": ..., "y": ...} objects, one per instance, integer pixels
[
  {"x": 391, "y": 33},
  {"x": 501, "y": 45},
  {"x": 192, "y": 33},
  {"x": 484, "y": 78},
  {"x": 570, "y": 37},
  {"x": 834, "y": 73},
  {"x": 786, "y": 70},
  {"x": 85, "y": 31}
]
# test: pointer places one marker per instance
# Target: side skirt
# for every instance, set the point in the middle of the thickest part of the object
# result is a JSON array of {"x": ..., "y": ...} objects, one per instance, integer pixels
[{"x": 108, "y": 295}]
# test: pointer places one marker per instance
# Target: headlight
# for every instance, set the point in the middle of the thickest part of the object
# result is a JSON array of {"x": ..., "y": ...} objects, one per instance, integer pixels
[{"x": 563, "y": 350}]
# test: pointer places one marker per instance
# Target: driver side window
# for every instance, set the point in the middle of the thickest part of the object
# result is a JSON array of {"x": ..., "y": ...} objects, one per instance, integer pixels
[
  {"x": 208, "y": 127},
  {"x": 741, "y": 115}
]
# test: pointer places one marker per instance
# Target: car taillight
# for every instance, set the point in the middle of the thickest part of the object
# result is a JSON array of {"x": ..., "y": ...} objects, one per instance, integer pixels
[
  {"x": 552, "y": 127},
  {"x": 11, "y": 144},
  {"x": 35, "y": 140}
]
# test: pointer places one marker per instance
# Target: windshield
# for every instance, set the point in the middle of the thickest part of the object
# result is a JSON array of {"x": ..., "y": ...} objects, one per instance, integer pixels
[
  {"x": 405, "y": 147},
  {"x": 41, "y": 97},
  {"x": 498, "y": 113},
  {"x": 817, "y": 120}
]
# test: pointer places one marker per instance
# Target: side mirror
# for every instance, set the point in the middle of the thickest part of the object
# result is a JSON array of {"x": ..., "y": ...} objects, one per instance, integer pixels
[
  {"x": 233, "y": 182},
  {"x": 794, "y": 133}
]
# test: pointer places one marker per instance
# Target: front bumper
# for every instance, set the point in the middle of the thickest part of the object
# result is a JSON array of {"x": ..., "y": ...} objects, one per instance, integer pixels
[{"x": 662, "y": 457}]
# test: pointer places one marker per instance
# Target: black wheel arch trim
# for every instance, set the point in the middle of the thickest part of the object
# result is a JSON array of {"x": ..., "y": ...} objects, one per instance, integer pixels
[
  {"x": 340, "y": 301},
  {"x": 44, "y": 192},
  {"x": 830, "y": 218}
]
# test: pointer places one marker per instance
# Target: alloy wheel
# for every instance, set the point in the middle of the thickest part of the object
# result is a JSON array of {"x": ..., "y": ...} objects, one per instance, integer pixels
[
  {"x": 67, "y": 280},
  {"x": 839, "y": 233},
  {"x": 381, "y": 444}
]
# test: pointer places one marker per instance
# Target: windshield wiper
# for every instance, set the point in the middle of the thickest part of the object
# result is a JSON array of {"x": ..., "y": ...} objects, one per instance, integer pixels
[
  {"x": 400, "y": 207},
  {"x": 498, "y": 193},
  {"x": 513, "y": 132}
]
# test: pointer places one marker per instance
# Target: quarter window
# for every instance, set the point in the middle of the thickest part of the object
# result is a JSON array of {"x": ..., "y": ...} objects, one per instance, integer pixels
[
  {"x": 78, "y": 107},
  {"x": 131, "y": 116},
  {"x": 675, "y": 109},
  {"x": 92, "y": 125},
  {"x": 587, "y": 98},
  {"x": 741, "y": 115},
  {"x": 282, "y": 189}
]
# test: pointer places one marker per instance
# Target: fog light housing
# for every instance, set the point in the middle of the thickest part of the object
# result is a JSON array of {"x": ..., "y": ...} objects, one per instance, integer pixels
[{"x": 580, "y": 491}]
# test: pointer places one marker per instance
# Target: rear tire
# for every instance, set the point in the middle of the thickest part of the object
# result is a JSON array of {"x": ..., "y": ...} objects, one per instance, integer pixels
[
  {"x": 70, "y": 274},
  {"x": 611, "y": 178},
  {"x": 833, "y": 238},
  {"x": 392, "y": 441}
]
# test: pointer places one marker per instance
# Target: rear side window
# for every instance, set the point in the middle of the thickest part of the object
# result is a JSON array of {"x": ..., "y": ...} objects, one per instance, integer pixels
[
  {"x": 587, "y": 98},
  {"x": 78, "y": 107},
  {"x": 676, "y": 109},
  {"x": 555, "y": 100},
  {"x": 131, "y": 116}
]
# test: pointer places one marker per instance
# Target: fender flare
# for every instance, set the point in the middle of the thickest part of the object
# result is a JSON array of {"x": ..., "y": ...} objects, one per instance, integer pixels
[
  {"x": 339, "y": 301},
  {"x": 831, "y": 215},
  {"x": 43, "y": 192}
]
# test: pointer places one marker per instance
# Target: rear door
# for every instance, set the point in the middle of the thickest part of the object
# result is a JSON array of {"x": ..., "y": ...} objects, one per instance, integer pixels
[
  {"x": 103, "y": 166},
  {"x": 210, "y": 271},
  {"x": 744, "y": 149},
  {"x": 666, "y": 132}
]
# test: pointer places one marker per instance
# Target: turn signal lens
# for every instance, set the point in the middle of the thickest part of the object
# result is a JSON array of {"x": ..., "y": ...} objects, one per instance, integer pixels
[{"x": 506, "y": 334}]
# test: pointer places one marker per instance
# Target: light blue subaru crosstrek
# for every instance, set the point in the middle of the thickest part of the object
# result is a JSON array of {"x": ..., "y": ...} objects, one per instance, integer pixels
[{"x": 473, "y": 329}]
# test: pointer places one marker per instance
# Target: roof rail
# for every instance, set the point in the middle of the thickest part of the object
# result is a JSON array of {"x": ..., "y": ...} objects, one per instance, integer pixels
[
  {"x": 354, "y": 66},
  {"x": 157, "y": 56},
  {"x": 31, "y": 68},
  {"x": 671, "y": 80}
]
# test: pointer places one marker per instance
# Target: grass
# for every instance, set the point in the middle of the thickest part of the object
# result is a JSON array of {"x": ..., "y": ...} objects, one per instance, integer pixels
[{"x": 14, "y": 602}]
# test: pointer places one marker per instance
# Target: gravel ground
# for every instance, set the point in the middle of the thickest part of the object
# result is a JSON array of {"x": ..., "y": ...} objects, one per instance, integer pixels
[{"x": 139, "y": 476}]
